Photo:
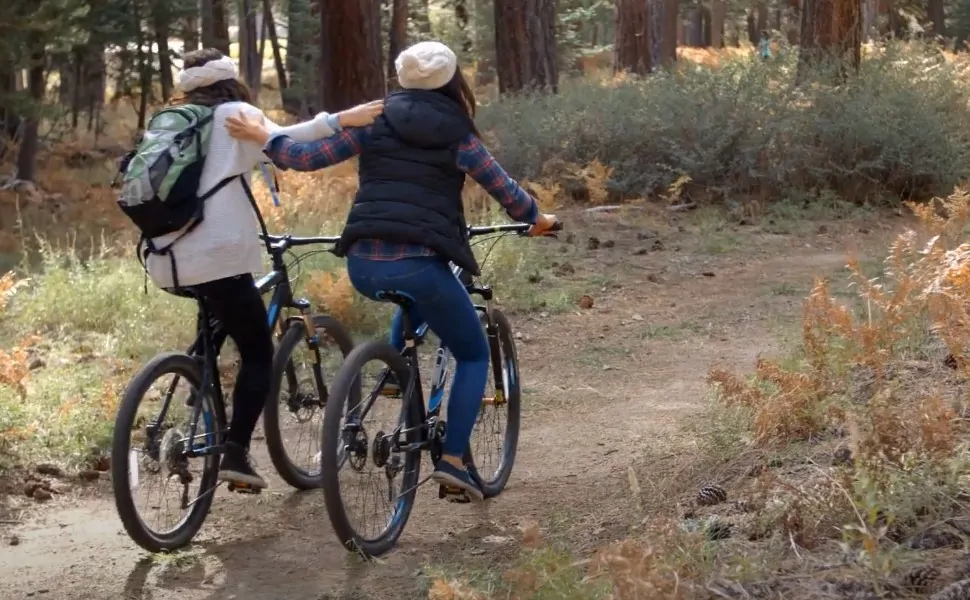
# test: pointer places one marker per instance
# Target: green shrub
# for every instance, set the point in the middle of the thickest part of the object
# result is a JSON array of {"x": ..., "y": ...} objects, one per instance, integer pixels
[{"x": 901, "y": 128}]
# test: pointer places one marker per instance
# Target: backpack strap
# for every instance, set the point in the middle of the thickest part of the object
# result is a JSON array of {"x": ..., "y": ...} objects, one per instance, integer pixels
[
  {"x": 259, "y": 215},
  {"x": 146, "y": 246}
]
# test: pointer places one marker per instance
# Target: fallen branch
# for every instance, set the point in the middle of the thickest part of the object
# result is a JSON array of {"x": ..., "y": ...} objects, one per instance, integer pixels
[{"x": 682, "y": 207}]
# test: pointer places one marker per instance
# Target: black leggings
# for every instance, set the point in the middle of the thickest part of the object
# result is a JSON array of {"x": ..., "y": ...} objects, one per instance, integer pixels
[{"x": 242, "y": 314}]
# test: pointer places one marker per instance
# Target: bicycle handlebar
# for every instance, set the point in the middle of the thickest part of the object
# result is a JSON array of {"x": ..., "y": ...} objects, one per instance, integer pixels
[
  {"x": 520, "y": 228},
  {"x": 286, "y": 241}
]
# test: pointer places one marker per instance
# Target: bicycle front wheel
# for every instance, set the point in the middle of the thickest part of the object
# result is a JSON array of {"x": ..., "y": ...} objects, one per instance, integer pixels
[
  {"x": 359, "y": 453},
  {"x": 149, "y": 452},
  {"x": 495, "y": 438},
  {"x": 293, "y": 416}
]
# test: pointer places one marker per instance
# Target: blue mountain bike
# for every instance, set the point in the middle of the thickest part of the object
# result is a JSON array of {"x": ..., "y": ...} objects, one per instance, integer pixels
[
  {"x": 164, "y": 449},
  {"x": 393, "y": 454}
]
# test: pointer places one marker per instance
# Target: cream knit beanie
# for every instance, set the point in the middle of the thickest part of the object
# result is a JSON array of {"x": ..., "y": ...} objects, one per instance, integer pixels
[
  {"x": 207, "y": 74},
  {"x": 426, "y": 66}
]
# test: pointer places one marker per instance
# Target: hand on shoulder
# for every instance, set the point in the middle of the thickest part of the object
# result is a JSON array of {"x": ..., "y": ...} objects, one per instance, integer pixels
[{"x": 249, "y": 125}]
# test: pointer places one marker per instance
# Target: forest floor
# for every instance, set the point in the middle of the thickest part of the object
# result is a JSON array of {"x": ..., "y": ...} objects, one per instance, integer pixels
[{"x": 609, "y": 390}]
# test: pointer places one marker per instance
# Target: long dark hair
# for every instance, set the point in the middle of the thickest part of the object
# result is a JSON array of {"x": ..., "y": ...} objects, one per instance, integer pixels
[
  {"x": 461, "y": 93},
  {"x": 220, "y": 92}
]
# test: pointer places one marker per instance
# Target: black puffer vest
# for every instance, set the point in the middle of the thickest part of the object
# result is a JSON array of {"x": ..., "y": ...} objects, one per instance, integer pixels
[{"x": 410, "y": 185}]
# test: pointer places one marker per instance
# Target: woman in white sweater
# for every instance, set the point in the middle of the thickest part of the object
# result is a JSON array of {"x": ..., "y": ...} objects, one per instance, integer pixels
[{"x": 217, "y": 259}]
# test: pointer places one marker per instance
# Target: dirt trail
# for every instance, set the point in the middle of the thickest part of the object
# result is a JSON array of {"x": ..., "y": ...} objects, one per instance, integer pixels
[{"x": 604, "y": 387}]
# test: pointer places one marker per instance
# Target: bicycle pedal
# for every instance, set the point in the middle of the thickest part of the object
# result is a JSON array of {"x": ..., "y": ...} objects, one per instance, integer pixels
[
  {"x": 454, "y": 495},
  {"x": 244, "y": 488}
]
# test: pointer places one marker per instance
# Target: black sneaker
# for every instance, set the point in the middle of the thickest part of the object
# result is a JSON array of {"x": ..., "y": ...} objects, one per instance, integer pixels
[{"x": 236, "y": 468}]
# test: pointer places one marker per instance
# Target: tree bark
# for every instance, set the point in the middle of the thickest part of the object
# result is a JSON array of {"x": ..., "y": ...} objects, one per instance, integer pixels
[
  {"x": 695, "y": 33},
  {"x": 525, "y": 43},
  {"x": 718, "y": 11},
  {"x": 190, "y": 37},
  {"x": 398, "y": 39},
  {"x": 848, "y": 35},
  {"x": 250, "y": 62},
  {"x": 937, "y": 14},
  {"x": 29, "y": 143},
  {"x": 302, "y": 59},
  {"x": 274, "y": 42},
  {"x": 870, "y": 10},
  {"x": 818, "y": 39},
  {"x": 9, "y": 119},
  {"x": 161, "y": 17},
  {"x": 350, "y": 29},
  {"x": 671, "y": 28},
  {"x": 461, "y": 19},
  {"x": 215, "y": 25},
  {"x": 762, "y": 16},
  {"x": 144, "y": 70},
  {"x": 631, "y": 51},
  {"x": 420, "y": 14}
]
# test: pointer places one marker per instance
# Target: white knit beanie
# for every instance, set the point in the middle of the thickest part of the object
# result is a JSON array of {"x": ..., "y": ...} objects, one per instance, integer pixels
[
  {"x": 426, "y": 66},
  {"x": 207, "y": 74}
]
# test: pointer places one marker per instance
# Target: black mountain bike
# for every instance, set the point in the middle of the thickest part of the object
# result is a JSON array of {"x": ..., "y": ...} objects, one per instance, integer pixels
[
  {"x": 165, "y": 449},
  {"x": 349, "y": 442}
]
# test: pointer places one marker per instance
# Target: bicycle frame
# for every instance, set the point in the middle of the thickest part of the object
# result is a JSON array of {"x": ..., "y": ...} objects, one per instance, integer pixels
[
  {"x": 434, "y": 416},
  {"x": 209, "y": 339}
]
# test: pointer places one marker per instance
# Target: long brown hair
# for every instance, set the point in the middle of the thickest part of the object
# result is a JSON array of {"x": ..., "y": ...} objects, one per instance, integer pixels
[
  {"x": 461, "y": 93},
  {"x": 220, "y": 92}
]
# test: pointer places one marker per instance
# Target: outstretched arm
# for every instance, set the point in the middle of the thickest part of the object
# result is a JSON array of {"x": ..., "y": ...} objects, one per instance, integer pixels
[
  {"x": 475, "y": 160},
  {"x": 310, "y": 156}
]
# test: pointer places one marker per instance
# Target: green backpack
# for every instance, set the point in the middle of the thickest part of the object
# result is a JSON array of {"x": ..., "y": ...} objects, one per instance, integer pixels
[{"x": 160, "y": 177}]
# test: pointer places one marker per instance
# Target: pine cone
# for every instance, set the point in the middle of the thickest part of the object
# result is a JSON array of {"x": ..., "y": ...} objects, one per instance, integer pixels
[
  {"x": 842, "y": 456},
  {"x": 919, "y": 578},
  {"x": 712, "y": 494},
  {"x": 959, "y": 590}
]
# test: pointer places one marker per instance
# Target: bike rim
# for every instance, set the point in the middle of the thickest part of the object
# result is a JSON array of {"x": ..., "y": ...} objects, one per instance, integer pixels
[
  {"x": 365, "y": 456},
  {"x": 160, "y": 476}
]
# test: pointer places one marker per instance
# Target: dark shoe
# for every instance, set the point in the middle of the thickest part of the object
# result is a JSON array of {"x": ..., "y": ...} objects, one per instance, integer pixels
[
  {"x": 451, "y": 476},
  {"x": 236, "y": 468}
]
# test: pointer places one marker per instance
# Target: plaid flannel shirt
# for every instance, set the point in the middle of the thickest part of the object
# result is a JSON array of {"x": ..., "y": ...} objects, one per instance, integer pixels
[{"x": 473, "y": 158}]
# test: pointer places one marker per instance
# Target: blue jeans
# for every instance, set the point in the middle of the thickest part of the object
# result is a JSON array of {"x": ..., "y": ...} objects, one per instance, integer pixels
[{"x": 440, "y": 300}]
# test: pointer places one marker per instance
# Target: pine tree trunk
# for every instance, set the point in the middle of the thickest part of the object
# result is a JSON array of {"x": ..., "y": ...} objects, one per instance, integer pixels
[
  {"x": 462, "y": 19},
  {"x": 190, "y": 36},
  {"x": 420, "y": 14},
  {"x": 274, "y": 42},
  {"x": 762, "y": 16},
  {"x": 848, "y": 36},
  {"x": 525, "y": 43},
  {"x": 398, "y": 39},
  {"x": 350, "y": 54},
  {"x": 717, "y": 23},
  {"x": 937, "y": 14},
  {"x": 220, "y": 27},
  {"x": 160, "y": 18},
  {"x": 302, "y": 59},
  {"x": 29, "y": 142},
  {"x": 250, "y": 61},
  {"x": 631, "y": 51},
  {"x": 671, "y": 29},
  {"x": 818, "y": 40}
]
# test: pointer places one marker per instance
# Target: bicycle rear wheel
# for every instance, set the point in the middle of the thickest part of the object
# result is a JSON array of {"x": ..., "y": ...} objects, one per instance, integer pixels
[
  {"x": 495, "y": 438},
  {"x": 295, "y": 405},
  {"x": 159, "y": 450},
  {"x": 351, "y": 444}
]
